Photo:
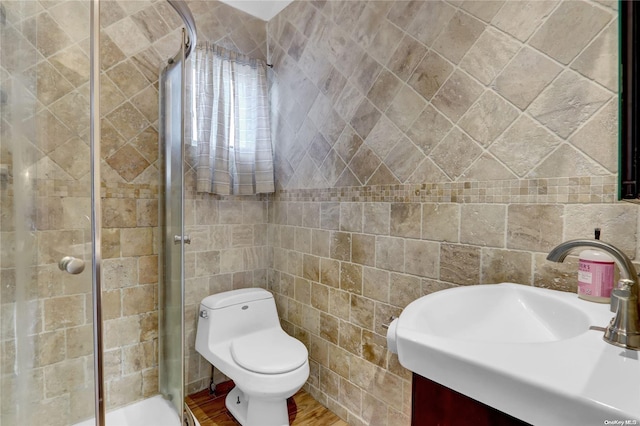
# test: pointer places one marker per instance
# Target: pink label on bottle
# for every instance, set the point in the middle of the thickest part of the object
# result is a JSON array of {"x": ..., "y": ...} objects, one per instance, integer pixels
[{"x": 595, "y": 278}]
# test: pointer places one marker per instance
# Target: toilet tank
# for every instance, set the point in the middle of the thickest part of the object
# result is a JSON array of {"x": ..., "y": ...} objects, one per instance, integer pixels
[{"x": 234, "y": 313}]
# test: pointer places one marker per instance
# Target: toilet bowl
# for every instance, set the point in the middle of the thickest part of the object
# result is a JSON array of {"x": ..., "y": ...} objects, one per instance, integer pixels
[{"x": 240, "y": 334}]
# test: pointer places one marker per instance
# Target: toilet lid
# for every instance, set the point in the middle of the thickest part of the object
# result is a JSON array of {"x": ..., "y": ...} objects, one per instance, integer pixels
[{"x": 271, "y": 352}]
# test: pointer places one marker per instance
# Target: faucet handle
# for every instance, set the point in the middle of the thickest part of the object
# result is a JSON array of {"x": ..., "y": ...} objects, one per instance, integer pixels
[{"x": 623, "y": 291}]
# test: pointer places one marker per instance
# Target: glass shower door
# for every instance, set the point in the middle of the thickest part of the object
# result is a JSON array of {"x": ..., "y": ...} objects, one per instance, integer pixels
[
  {"x": 171, "y": 351},
  {"x": 46, "y": 341}
]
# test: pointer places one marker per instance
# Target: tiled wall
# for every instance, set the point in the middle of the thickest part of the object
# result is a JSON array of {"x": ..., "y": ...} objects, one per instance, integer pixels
[
  {"x": 136, "y": 39},
  {"x": 427, "y": 144},
  {"x": 214, "y": 250}
]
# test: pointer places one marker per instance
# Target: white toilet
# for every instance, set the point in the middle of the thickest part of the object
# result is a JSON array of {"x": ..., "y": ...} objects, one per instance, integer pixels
[{"x": 240, "y": 334}]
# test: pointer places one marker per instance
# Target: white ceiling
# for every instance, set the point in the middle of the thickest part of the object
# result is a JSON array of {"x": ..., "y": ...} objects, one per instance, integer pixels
[{"x": 263, "y": 9}]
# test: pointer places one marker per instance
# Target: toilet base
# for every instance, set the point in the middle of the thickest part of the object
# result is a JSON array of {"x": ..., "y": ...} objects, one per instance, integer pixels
[{"x": 256, "y": 412}]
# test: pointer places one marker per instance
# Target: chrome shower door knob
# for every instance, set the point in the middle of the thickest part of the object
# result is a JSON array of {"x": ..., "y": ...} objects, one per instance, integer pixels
[{"x": 72, "y": 265}]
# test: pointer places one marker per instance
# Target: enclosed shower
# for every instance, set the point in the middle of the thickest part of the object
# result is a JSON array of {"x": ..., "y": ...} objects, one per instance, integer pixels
[{"x": 91, "y": 222}]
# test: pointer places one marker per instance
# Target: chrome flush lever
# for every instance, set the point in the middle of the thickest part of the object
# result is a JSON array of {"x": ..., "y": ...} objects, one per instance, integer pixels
[{"x": 178, "y": 238}]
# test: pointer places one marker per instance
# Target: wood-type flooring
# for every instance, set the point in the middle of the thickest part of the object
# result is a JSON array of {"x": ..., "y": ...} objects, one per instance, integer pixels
[{"x": 303, "y": 409}]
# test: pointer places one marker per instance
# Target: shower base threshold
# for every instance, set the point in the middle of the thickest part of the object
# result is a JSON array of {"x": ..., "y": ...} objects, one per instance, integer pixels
[{"x": 154, "y": 411}]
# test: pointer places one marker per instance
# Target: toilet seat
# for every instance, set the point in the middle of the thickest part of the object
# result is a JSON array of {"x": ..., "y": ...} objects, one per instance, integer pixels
[{"x": 269, "y": 352}]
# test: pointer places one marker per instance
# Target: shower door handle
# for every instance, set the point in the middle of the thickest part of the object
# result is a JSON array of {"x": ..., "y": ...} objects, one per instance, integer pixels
[
  {"x": 178, "y": 238},
  {"x": 72, "y": 265}
]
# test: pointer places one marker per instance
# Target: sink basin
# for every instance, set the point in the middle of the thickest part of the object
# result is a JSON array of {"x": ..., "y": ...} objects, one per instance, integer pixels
[
  {"x": 499, "y": 313},
  {"x": 518, "y": 348}
]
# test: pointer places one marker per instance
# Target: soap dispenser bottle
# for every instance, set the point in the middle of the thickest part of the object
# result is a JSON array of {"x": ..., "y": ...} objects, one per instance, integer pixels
[{"x": 595, "y": 274}]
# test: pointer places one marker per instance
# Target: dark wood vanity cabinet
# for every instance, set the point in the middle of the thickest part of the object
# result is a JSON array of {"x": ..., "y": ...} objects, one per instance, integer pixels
[{"x": 437, "y": 405}]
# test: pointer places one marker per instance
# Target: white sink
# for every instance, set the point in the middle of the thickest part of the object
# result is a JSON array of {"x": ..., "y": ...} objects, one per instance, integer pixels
[
  {"x": 519, "y": 348},
  {"x": 507, "y": 313}
]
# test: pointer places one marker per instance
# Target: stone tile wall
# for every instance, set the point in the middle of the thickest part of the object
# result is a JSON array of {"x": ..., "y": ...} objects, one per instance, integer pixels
[{"x": 427, "y": 144}]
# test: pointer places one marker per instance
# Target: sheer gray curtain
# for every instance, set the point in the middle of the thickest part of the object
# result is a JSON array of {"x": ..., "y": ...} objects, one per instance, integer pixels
[{"x": 231, "y": 128}]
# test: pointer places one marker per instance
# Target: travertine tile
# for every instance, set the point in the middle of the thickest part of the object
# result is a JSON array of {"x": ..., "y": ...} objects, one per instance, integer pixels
[
  {"x": 458, "y": 36},
  {"x": 365, "y": 118},
  {"x": 375, "y": 284},
  {"x": 567, "y": 103},
  {"x": 521, "y": 19},
  {"x": 127, "y": 36},
  {"x": 430, "y": 19},
  {"x": 390, "y": 253},
  {"x": 63, "y": 377},
  {"x": 339, "y": 303},
  {"x": 440, "y": 222},
  {"x": 402, "y": 13},
  {"x": 362, "y": 311},
  {"x": 489, "y": 54},
  {"x": 428, "y": 171},
  {"x": 319, "y": 149},
  {"x": 487, "y": 168},
  {"x": 127, "y": 78},
  {"x": 351, "y": 277},
  {"x": 405, "y": 108},
  {"x": 421, "y": 258},
  {"x": 363, "y": 249},
  {"x": 49, "y": 348},
  {"x": 525, "y": 77},
  {"x": 332, "y": 167},
  {"x": 455, "y": 153},
  {"x": 136, "y": 241},
  {"x": 506, "y": 266},
  {"x": 385, "y": 42},
  {"x": 63, "y": 312},
  {"x": 598, "y": 138},
  {"x": 330, "y": 272},
  {"x": 488, "y": 118},
  {"x": 524, "y": 145},
  {"x": 407, "y": 55},
  {"x": 383, "y": 137},
  {"x": 404, "y": 289},
  {"x": 483, "y": 225},
  {"x": 45, "y": 34},
  {"x": 483, "y": 10},
  {"x": 46, "y": 82},
  {"x": 403, "y": 159},
  {"x": 139, "y": 299},
  {"x": 567, "y": 161},
  {"x": 350, "y": 337},
  {"x": 598, "y": 61},
  {"x": 460, "y": 264},
  {"x": 348, "y": 143},
  {"x": 364, "y": 164},
  {"x": 406, "y": 220},
  {"x": 128, "y": 120},
  {"x": 369, "y": 23},
  {"x": 73, "y": 64},
  {"x": 329, "y": 327},
  {"x": 558, "y": 276},
  {"x": 341, "y": 246},
  {"x": 376, "y": 218},
  {"x": 365, "y": 73},
  {"x": 429, "y": 129},
  {"x": 534, "y": 227},
  {"x": 430, "y": 74},
  {"x": 457, "y": 95},
  {"x": 374, "y": 347},
  {"x": 384, "y": 89},
  {"x": 302, "y": 292},
  {"x": 585, "y": 21}
]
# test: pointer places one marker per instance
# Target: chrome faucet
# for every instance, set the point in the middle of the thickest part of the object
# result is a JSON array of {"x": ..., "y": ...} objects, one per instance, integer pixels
[{"x": 624, "y": 328}]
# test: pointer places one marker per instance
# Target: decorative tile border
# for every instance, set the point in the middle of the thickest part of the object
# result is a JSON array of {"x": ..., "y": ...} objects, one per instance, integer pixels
[
  {"x": 70, "y": 188},
  {"x": 595, "y": 189}
]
